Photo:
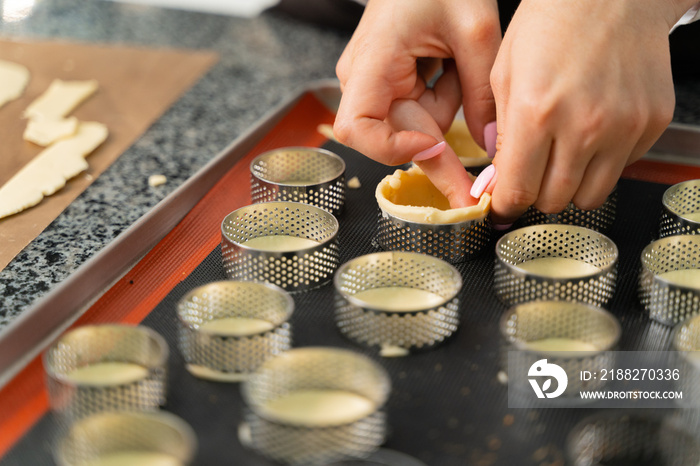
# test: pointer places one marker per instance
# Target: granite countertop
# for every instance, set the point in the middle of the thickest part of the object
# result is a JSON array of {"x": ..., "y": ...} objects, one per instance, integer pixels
[{"x": 262, "y": 61}]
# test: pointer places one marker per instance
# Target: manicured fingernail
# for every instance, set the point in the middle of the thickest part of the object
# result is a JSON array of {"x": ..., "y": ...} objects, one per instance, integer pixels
[
  {"x": 482, "y": 181},
  {"x": 502, "y": 226},
  {"x": 430, "y": 152},
  {"x": 490, "y": 132}
]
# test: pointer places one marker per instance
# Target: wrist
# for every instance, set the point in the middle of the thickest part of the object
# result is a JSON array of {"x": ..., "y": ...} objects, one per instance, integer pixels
[
  {"x": 690, "y": 15},
  {"x": 683, "y": 9}
]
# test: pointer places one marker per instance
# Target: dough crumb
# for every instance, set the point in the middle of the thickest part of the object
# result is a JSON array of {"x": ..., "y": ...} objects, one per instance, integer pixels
[
  {"x": 157, "y": 180},
  {"x": 494, "y": 443},
  {"x": 354, "y": 183},
  {"x": 391, "y": 351},
  {"x": 502, "y": 378},
  {"x": 245, "y": 436},
  {"x": 327, "y": 131}
]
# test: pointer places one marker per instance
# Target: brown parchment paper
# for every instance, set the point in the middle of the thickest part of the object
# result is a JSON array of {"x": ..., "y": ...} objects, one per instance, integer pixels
[{"x": 136, "y": 86}]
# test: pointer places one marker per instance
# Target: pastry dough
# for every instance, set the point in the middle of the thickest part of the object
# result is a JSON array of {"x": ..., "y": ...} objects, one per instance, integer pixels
[
  {"x": 208, "y": 373},
  {"x": 559, "y": 267},
  {"x": 354, "y": 183},
  {"x": 46, "y": 131},
  {"x": 135, "y": 458},
  {"x": 689, "y": 278},
  {"x": 60, "y": 99},
  {"x": 559, "y": 344},
  {"x": 47, "y": 172},
  {"x": 157, "y": 180},
  {"x": 693, "y": 216},
  {"x": 236, "y": 326},
  {"x": 399, "y": 298},
  {"x": 107, "y": 373},
  {"x": 318, "y": 407},
  {"x": 409, "y": 195},
  {"x": 327, "y": 131},
  {"x": 13, "y": 81},
  {"x": 280, "y": 243},
  {"x": 393, "y": 351},
  {"x": 461, "y": 141}
]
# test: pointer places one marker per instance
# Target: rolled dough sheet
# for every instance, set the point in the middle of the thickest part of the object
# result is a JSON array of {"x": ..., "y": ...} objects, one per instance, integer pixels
[
  {"x": 559, "y": 267},
  {"x": 694, "y": 216},
  {"x": 685, "y": 277},
  {"x": 48, "y": 171},
  {"x": 280, "y": 243},
  {"x": 399, "y": 298},
  {"x": 13, "y": 80},
  {"x": 555, "y": 344},
  {"x": 104, "y": 374},
  {"x": 319, "y": 407},
  {"x": 60, "y": 98},
  {"x": 236, "y": 326},
  {"x": 135, "y": 458}
]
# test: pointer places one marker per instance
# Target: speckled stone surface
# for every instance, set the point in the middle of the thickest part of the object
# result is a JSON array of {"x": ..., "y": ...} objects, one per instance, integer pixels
[{"x": 262, "y": 60}]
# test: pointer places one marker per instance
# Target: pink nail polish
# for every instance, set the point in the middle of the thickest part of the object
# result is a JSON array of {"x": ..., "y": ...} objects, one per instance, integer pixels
[
  {"x": 482, "y": 181},
  {"x": 430, "y": 152},
  {"x": 490, "y": 134}
]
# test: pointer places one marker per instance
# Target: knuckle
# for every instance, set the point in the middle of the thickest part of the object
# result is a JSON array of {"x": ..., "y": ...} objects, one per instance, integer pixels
[
  {"x": 663, "y": 115},
  {"x": 548, "y": 206},
  {"x": 483, "y": 28},
  {"x": 342, "y": 131},
  {"x": 520, "y": 199},
  {"x": 537, "y": 108},
  {"x": 589, "y": 202},
  {"x": 498, "y": 79}
]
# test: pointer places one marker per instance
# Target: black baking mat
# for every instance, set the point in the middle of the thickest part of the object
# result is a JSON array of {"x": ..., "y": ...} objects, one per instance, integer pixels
[{"x": 447, "y": 406}]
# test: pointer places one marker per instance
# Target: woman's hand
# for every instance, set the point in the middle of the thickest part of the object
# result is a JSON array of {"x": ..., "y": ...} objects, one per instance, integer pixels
[
  {"x": 398, "y": 47},
  {"x": 582, "y": 89}
]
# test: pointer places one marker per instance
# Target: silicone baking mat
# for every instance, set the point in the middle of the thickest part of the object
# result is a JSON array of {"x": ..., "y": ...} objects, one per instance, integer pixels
[{"x": 447, "y": 405}]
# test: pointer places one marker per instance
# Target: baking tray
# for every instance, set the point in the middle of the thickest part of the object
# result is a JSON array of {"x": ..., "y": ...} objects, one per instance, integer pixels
[{"x": 447, "y": 405}]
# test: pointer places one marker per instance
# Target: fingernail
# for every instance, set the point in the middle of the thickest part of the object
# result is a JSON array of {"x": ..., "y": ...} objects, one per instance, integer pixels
[
  {"x": 482, "y": 181},
  {"x": 490, "y": 132},
  {"x": 502, "y": 226},
  {"x": 430, "y": 152}
]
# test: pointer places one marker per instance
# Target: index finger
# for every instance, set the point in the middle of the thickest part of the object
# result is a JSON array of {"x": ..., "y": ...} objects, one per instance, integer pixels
[{"x": 445, "y": 170}]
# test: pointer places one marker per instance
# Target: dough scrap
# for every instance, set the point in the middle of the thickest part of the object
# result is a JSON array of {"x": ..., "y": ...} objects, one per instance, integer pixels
[
  {"x": 13, "y": 80},
  {"x": 60, "y": 98},
  {"x": 157, "y": 180},
  {"x": 327, "y": 131},
  {"x": 48, "y": 171},
  {"x": 354, "y": 183},
  {"x": 46, "y": 131},
  {"x": 461, "y": 141},
  {"x": 409, "y": 195}
]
